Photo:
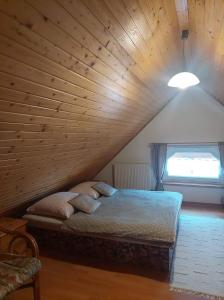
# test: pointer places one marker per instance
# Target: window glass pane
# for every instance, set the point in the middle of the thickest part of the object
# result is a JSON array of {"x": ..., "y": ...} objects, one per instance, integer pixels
[
  {"x": 193, "y": 164},
  {"x": 191, "y": 161}
]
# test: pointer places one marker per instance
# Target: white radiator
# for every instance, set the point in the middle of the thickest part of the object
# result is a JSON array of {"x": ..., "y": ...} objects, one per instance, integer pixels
[{"x": 132, "y": 176}]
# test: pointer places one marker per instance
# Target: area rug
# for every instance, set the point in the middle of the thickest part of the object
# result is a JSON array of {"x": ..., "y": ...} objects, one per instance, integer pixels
[{"x": 198, "y": 266}]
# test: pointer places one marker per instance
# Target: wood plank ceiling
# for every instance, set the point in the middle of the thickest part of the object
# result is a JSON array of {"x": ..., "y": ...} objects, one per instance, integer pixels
[
  {"x": 205, "y": 45},
  {"x": 80, "y": 78}
]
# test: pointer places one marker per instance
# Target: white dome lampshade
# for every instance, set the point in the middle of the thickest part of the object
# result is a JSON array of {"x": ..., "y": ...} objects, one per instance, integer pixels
[{"x": 183, "y": 80}]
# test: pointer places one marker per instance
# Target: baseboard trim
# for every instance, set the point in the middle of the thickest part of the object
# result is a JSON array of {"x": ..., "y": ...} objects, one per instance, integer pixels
[{"x": 187, "y": 204}]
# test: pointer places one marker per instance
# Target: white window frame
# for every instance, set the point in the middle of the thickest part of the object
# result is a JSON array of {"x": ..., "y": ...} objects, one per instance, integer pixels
[{"x": 179, "y": 180}]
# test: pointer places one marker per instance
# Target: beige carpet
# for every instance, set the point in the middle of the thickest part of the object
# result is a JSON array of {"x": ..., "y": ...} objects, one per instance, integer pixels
[{"x": 198, "y": 266}]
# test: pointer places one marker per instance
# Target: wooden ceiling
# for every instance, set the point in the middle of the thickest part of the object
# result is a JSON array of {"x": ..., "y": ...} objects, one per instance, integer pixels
[
  {"x": 80, "y": 78},
  {"x": 205, "y": 45}
]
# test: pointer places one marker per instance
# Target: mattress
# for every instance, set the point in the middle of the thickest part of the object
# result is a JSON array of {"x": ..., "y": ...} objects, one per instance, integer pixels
[{"x": 136, "y": 214}]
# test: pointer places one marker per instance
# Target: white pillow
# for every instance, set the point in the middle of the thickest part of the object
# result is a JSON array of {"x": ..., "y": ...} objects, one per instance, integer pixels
[
  {"x": 104, "y": 189},
  {"x": 86, "y": 188},
  {"x": 55, "y": 205},
  {"x": 85, "y": 203}
]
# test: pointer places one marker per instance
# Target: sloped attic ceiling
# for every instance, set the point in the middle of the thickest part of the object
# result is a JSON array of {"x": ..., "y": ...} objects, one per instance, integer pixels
[
  {"x": 80, "y": 78},
  {"x": 205, "y": 45}
]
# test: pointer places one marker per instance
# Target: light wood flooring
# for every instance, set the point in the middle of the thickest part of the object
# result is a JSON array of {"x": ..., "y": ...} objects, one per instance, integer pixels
[{"x": 88, "y": 280}]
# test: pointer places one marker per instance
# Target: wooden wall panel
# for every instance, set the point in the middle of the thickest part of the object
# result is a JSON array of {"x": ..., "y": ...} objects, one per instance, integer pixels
[{"x": 78, "y": 80}]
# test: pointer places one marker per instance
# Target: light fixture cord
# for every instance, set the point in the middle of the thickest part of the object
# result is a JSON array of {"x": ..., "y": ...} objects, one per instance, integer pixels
[{"x": 184, "y": 58}]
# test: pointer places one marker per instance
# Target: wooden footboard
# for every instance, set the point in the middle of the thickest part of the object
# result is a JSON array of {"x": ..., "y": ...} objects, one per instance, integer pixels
[{"x": 157, "y": 256}]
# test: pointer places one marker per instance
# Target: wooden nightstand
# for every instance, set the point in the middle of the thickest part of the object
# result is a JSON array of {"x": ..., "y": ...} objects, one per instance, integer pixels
[{"x": 12, "y": 224}]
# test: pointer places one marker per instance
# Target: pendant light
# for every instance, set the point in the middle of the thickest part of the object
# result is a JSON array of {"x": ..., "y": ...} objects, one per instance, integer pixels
[{"x": 184, "y": 79}]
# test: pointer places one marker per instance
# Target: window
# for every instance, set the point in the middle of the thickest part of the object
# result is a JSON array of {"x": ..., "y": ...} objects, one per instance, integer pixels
[{"x": 193, "y": 164}]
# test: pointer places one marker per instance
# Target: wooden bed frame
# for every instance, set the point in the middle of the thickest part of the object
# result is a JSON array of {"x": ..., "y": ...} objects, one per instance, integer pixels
[{"x": 156, "y": 255}]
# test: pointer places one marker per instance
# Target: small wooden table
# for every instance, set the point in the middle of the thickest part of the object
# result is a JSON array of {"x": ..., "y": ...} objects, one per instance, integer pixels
[{"x": 11, "y": 224}]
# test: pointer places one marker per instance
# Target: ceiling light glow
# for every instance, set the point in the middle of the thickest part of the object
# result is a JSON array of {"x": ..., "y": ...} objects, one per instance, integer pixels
[{"x": 183, "y": 80}]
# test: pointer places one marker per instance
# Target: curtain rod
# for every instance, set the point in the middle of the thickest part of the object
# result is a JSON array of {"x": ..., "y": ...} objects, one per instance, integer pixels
[{"x": 189, "y": 144}]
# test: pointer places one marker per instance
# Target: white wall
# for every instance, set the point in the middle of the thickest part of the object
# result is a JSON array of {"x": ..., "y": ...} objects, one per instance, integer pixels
[{"x": 193, "y": 116}]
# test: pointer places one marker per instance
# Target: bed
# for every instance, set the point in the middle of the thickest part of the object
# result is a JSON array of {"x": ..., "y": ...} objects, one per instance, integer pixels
[{"x": 131, "y": 226}]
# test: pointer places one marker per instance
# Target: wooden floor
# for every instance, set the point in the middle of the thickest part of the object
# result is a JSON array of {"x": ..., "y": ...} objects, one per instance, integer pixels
[{"x": 85, "y": 280}]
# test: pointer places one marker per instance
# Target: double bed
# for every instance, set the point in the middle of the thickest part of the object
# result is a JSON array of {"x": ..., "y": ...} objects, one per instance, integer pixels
[{"x": 130, "y": 226}]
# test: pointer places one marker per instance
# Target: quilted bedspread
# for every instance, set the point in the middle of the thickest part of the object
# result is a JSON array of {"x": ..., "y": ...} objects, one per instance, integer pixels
[{"x": 138, "y": 214}]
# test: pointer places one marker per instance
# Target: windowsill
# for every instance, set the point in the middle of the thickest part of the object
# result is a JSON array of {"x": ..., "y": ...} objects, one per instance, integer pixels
[{"x": 195, "y": 184}]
